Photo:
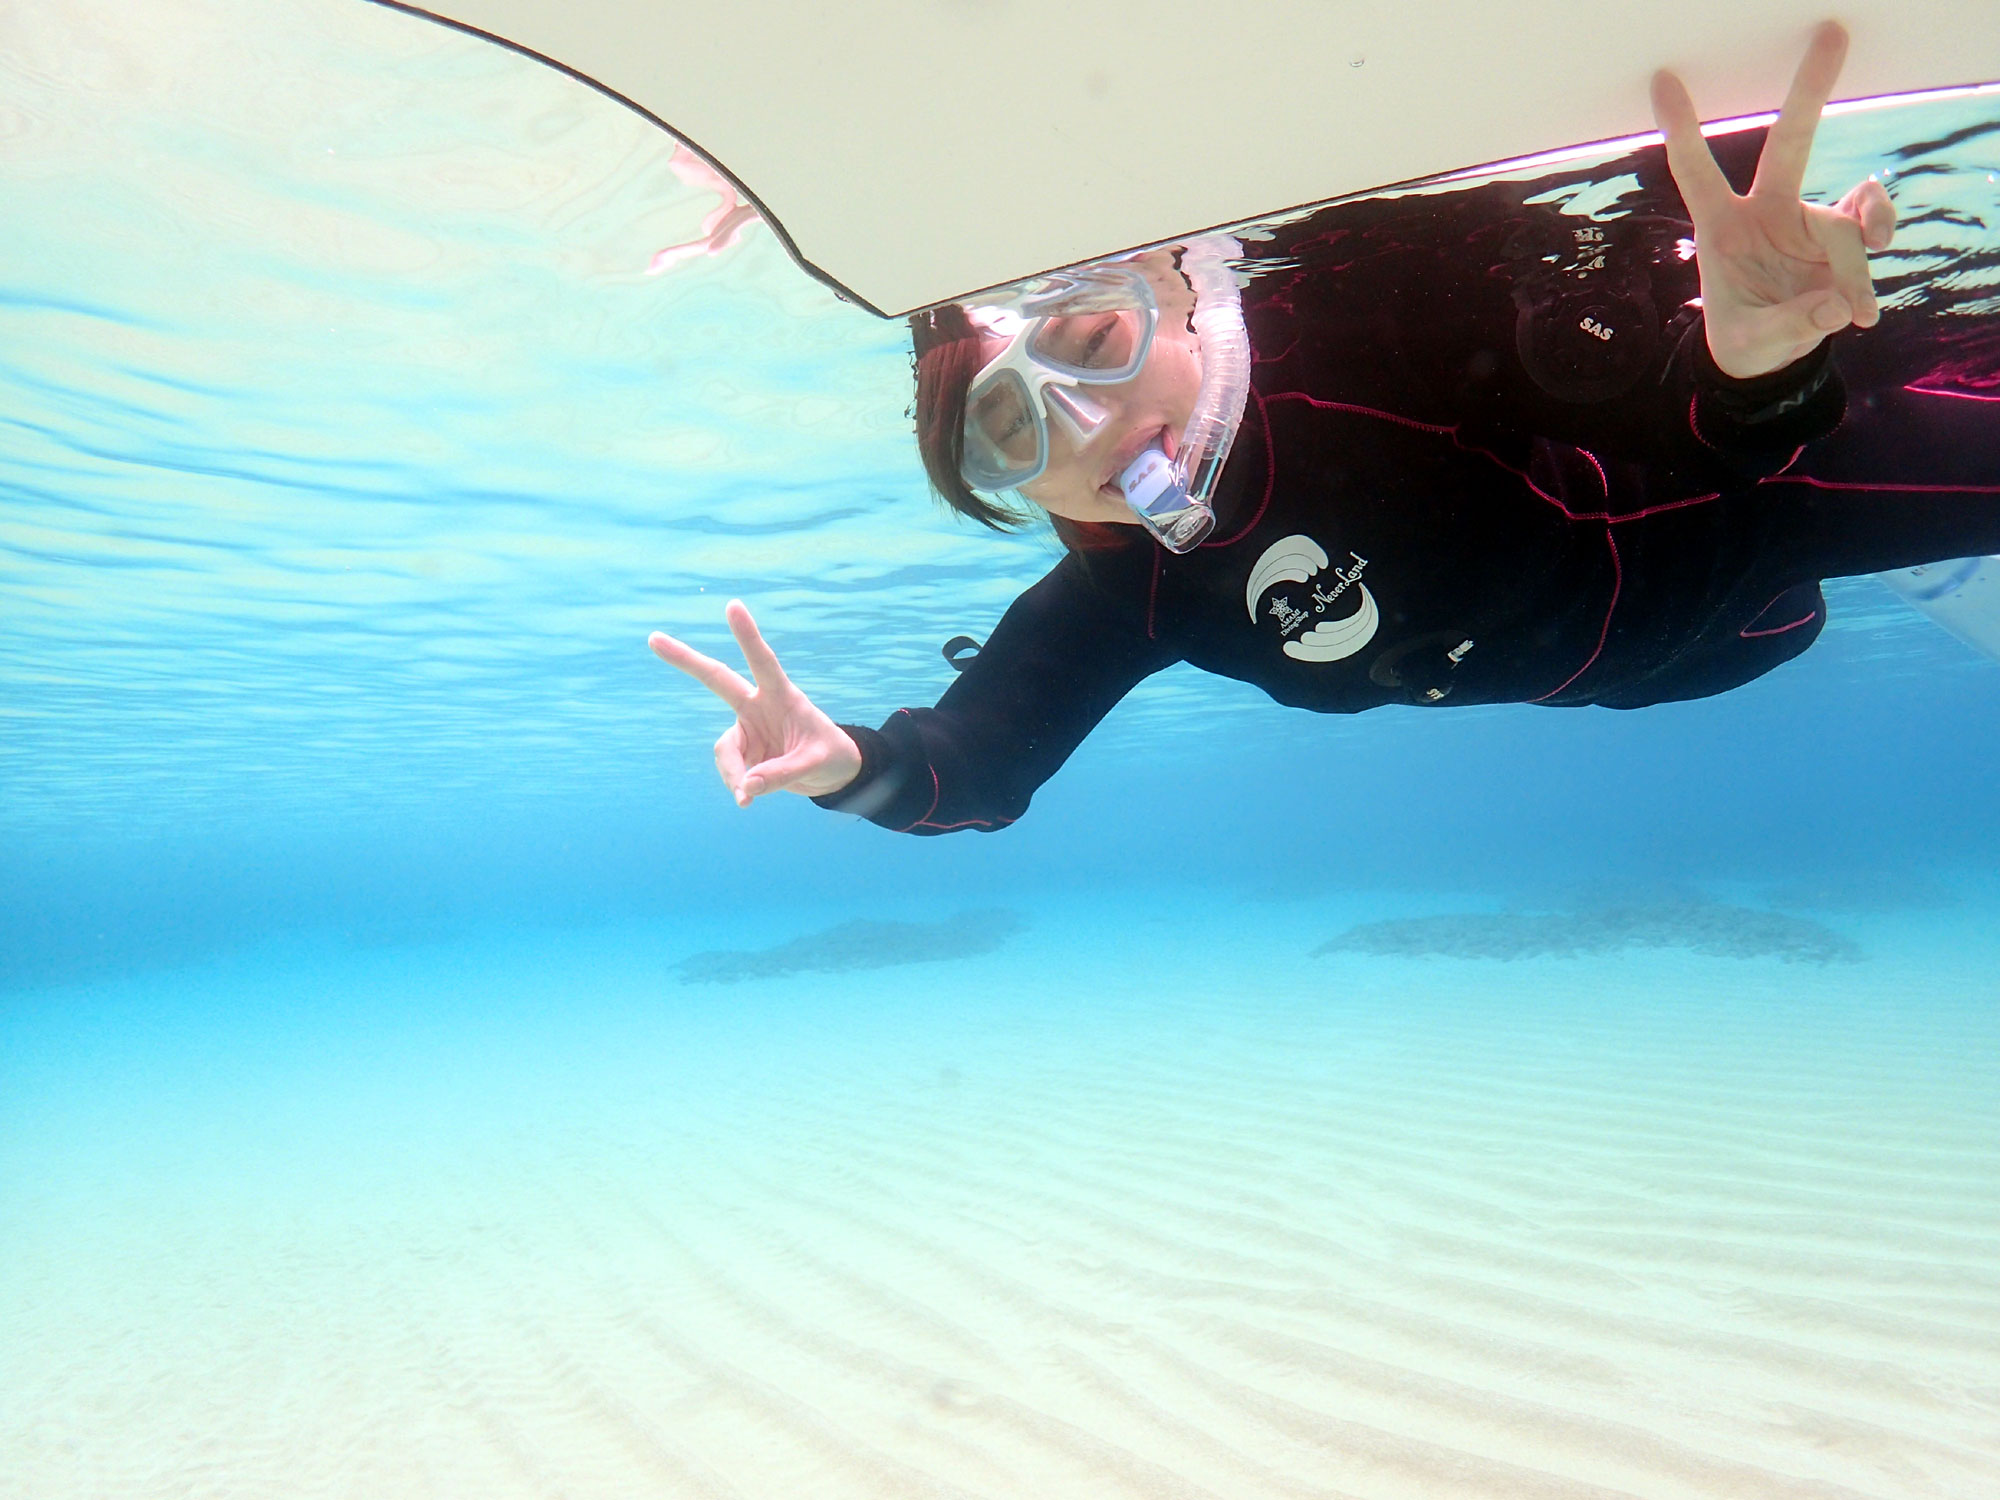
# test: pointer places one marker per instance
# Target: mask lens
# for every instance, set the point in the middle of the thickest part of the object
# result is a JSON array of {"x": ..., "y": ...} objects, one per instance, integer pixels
[
  {"x": 1003, "y": 438},
  {"x": 1099, "y": 346},
  {"x": 1092, "y": 326}
]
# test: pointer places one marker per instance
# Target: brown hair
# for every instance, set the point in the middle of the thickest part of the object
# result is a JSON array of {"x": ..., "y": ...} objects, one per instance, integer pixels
[{"x": 945, "y": 355}]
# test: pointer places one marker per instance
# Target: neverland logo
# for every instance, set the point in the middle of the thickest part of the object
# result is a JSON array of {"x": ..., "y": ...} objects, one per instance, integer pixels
[{"x": 1300, "y": 559}]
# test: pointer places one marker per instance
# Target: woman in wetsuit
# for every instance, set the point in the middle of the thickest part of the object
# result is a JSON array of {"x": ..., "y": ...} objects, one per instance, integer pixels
[{"x": 1418, "y": 511}]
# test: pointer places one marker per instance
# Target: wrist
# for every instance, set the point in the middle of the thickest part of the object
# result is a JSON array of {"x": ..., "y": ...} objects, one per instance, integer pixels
[
  {"x": 837, "y": 772},
  {"x": 845, "y": 762},
  {"x": 1754, "y": 399},
  {"x": 856, "y": 777}
]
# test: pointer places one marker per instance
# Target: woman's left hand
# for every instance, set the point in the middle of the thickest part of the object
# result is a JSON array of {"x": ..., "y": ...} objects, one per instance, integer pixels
[{"x": 1777, "y": 274}]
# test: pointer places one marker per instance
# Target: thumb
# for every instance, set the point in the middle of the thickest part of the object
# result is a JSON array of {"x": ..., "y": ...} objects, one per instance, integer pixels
[
  {"x": 1769, "y": 338},
  {"x": 1831, "y": 313},
  {"x": 780, "y": 771}
]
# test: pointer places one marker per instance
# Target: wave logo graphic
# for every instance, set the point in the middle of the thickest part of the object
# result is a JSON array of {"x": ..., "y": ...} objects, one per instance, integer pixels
[{"x": 1300, "y": 559}]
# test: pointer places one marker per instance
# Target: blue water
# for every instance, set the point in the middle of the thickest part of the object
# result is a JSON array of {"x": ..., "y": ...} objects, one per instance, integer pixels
[{"x": 350, "y": 838}]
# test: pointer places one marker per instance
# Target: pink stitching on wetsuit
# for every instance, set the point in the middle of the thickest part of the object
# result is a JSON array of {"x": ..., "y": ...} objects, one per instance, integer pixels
[
  {"x": 1521, "y": 474},
  {"x": 1617, "y": 587},
  {"x": 1924, "y": 390},
  {"x": 1603, "y": 481},
  {"x": 936, "y": 792},
  {"x": 1746, "y": 633},
  {"x": 1654, "y": 510},
  {"x": 1695, "y": 427},
  {"x": 1608, "y": 517},
  {"x": 1900, "y": 489},
  {"x": 1450, "y": 432},
  {"x": 1366, "y": 411},
  {"x": 1605, "y": 516}
]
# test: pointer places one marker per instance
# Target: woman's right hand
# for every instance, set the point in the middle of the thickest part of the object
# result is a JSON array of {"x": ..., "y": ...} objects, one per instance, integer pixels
[{"x": 780, "y": 740}]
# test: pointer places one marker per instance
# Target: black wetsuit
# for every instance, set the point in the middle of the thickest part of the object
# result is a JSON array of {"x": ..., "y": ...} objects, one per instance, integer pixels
[{"x": 1489, "y": 462}]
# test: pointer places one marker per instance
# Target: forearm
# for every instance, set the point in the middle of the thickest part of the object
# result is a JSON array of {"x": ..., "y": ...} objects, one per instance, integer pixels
[
  {"x": 1757, "y": 426},
  {"x": 919, "y": 774},
  {"x": 1687, "y": 422},
  {"x": 1062, "y": 657}
]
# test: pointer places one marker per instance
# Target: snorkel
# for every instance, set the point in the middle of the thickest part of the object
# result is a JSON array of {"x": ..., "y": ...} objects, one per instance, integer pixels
[{"x": 1170, "y": 497}]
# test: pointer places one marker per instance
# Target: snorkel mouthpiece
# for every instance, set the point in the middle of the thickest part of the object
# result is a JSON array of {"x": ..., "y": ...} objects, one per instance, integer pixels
[{"x": 1157, "y": 491}]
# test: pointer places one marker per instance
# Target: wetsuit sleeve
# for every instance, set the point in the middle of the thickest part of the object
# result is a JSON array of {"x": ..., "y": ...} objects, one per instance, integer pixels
[
  {"x": 1061, "y": 657},
  {"x": 1681, "y": 415},
  {"x": 1757, "y": 425},
  {"x": 1510, "y": 322}
]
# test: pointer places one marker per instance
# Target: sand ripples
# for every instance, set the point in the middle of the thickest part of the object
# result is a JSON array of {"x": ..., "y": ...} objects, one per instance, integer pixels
[{"x": 1507, "y": 1244}]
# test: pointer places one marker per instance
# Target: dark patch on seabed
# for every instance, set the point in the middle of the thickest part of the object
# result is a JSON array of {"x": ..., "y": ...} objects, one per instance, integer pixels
[
  {"x": 857, "y": 945},
  {"x": 1709, "y": 927}
]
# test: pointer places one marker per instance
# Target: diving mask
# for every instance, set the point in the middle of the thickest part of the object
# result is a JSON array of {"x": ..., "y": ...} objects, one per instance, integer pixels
[
  {"x": 1093, "y": 327},
  {"x": 1064, "y": 332}
]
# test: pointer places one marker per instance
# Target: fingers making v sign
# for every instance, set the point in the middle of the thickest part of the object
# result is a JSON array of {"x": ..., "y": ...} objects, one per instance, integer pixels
[
  {"x": 1778, "y": 274},
  {"x": 780, "y": 740}
]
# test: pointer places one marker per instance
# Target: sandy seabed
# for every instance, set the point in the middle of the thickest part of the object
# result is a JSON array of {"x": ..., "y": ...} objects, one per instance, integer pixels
[{"x": 1188, "y": 1213}]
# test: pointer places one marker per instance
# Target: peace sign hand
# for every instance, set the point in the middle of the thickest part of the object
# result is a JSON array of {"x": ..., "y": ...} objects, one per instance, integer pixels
[
  {"x": 780, "y": 740},
  {"x": 1777, "y": 274}
]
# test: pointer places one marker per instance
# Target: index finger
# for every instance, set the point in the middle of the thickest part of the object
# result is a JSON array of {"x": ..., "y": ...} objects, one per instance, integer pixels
[
  {"x": 1781, "y": 169},
  {"x": 1703, "y": 187},
  {"x": 706, "y": 670}
]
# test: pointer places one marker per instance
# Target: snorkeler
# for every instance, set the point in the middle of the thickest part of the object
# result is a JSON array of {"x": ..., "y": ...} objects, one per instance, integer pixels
[{"x": 1599, "y": 505}]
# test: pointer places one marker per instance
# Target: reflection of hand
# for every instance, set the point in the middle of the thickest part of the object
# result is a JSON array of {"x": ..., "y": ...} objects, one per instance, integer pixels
[
  {"x": 725, "y": 223},
  {"x": 780, "y": 740},
  {"x": 1777, "y": 274}
]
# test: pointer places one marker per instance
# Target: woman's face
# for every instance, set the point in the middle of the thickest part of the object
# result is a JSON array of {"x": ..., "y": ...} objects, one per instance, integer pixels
[{"x": 1081, "y": 481}]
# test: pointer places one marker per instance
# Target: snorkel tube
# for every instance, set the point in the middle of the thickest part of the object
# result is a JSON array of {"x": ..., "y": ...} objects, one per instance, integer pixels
[{"x": 1171, "y": 496}]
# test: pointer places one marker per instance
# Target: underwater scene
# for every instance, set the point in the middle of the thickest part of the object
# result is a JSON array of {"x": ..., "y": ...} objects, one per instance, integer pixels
[{"x": 419, "y": 1077}]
